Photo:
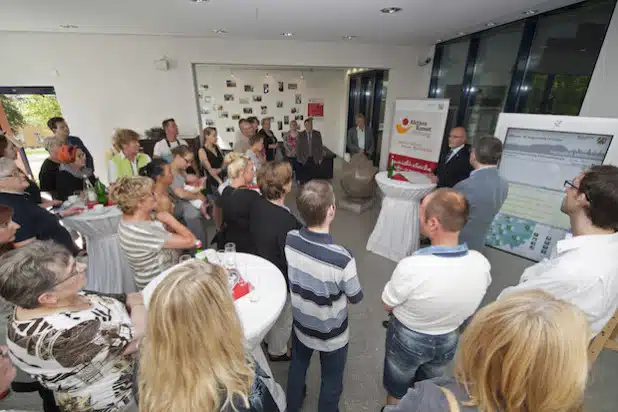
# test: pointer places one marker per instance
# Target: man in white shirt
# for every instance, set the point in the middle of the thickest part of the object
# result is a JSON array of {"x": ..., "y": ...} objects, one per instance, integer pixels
[
  {"x": 164, "y": 147},
  {"x": 245, "y": 132},
  {"x": 360, "y": 138},
  {"x": 454, "y": 165},
  {"x": 431, "y": 294},
  {"x": 583, "y": 269}
]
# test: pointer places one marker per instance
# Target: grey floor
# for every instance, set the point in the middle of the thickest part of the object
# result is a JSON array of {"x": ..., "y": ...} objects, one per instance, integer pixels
[{"x": 363, "y": 377}]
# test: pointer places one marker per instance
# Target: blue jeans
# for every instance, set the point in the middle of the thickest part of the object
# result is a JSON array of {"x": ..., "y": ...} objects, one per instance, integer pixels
[
  {"x": 412, "y": 356},
  {"x": 332, "y": 365}
]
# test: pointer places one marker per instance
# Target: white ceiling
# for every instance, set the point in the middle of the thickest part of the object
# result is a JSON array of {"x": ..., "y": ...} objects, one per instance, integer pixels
[{"x": 420, "y": 22}]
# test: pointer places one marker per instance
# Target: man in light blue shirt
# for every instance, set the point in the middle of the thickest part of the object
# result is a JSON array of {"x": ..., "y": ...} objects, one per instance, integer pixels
[{"x": 360, "y": 138}]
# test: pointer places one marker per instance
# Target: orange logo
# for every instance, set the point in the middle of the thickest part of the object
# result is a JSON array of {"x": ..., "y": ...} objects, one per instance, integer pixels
[{"x": 404, "y": 126}]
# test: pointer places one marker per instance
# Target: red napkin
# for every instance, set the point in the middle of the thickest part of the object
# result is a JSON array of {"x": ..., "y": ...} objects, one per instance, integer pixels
[
  {"x": 399, "y": 177},
  {"x": 240, "y": 289}
]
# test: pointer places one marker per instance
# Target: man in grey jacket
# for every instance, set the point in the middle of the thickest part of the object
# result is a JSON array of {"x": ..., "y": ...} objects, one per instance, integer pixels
[
  {"x": 485, "y": 190},
  {"x": 309, "y": 151},
  {"x": 360, "y": 138}
]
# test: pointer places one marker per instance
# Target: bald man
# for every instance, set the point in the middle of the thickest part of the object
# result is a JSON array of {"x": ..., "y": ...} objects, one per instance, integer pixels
[{"x": 455, "y": 165}]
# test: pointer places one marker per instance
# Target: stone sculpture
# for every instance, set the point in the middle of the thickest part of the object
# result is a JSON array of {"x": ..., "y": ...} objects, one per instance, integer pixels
[{"x": 358, "y": 183}]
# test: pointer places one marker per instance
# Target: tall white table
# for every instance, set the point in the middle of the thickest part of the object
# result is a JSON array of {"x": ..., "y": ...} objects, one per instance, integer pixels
[
  {"x": 396, "y": 234},
  {"x": 108, "y": 268},
  {"x": 256, "y": 316}
]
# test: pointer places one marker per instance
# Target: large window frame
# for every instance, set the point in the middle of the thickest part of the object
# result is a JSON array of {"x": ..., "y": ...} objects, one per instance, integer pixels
[{"x": 516, "y": 95}]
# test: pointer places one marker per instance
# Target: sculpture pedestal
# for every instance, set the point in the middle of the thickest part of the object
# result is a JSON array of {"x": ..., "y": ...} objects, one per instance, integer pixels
[{"x": 357, "y": 206}]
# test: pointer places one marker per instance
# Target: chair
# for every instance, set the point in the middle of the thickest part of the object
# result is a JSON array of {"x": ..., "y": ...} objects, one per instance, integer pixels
[{"x": 606, "y": 339}]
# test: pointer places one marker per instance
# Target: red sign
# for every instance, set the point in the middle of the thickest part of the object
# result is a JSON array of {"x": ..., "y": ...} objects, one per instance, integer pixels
[
  {"x": 315, "y": 108},
  {"x": 404, "y": 164}
]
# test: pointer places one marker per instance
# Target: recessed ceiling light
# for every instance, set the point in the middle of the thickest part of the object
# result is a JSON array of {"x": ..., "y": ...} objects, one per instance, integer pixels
[
  {"x": 220, "y": 31},
  {"x": 68, "y": 26},
  {"x": 287, "y": 34},
  {"x": 200, "y": 1},
  {"x": 348, "y": 37},
  {"x": 491, "y": 24},
  {"x": 439, "y": 41},
  {"x": 390, "y": 10},
  {"x": 530, "y": 12},
  {"x": 461, "y": 33}
]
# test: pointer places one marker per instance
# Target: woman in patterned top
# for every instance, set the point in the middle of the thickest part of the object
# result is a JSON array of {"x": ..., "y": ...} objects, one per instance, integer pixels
[{"x": 76, "y": 344}]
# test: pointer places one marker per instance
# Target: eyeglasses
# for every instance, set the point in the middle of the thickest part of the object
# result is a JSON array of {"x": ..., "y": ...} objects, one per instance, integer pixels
[
  {"x": 77, "y": 269},
  {"x": 569, "y": 183}
]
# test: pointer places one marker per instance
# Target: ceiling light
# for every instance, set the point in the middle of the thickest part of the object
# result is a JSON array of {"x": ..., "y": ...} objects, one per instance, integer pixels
[
  {"x": 348, "y": 37},
  {"x": 200, "y": 1},
  {"x": 220, "y": 31},
  {"x": 439, "y": 41},
  {"x": 461, "y": 33},
  {"x": 530, "y": 12},
  {"x": 287, "y": 34},
  {"x": 68, "y": 26},
  {"x": 490, "y": 24},
  {"x": 390, "y": 10}
]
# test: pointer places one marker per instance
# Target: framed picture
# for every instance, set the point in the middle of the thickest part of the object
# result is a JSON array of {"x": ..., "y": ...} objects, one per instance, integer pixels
[
  {"x": 298, "y": 98},
  {"x": 279, "y": 125},
  {"x": 266, "y": 88},
  {"x": 249, "y": 88},
  {"x": 263, "y": 110},
  {"x": 220, "y": 107},
  {"x": 207, "y": 99},
  {"x": 228, "y": 97},
  {"x": 209, "y": 122},
  {"x": 286, "y": 119},
  {"x": 293, "y": 110},
  {"x": 223, "y": 115},
  {"x": 247, "y": 110},
  {"x": 230, "y": 129},
  {"x": 230, "y": 83},
  {"x": 235, "y": 117},
  {"x": 280, "y": 85},
  {"x": 292, "y": 86},
  {"x": 279, "y": 103},
  {"x": 205, "y": 111},
  {"x": 243, "y": 101},
  {"x": 204, "y": 86},
  {"x": 257, "y": 98}
]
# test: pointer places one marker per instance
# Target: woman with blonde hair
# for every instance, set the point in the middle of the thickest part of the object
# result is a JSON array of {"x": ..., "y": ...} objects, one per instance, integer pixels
[
  {"x": 524, "y": 353},
  {"x": 129, "y": 159},
  {"x": 205, "y": 368},
  {"x": 211, "y": 160},
  {"x": 151, "y": 241}
]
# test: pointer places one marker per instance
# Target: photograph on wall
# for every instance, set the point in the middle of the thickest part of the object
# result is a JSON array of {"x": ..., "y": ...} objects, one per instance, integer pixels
[
  {"x": 243, "y": 100},
  {"x": 297, "y": 117},
  {"x": 228, "y": 97},
  {"x": 220, "y": 107},
  {"x": 266, "y": 88},
  {"x": 235, "y": 117},
  {"x": 230, "y": 83},
  {"x": 223, "y": 115},
  {"x": 279, "y": 103},
  {"x": 286, "y": 119},
  {"x": 257, "y": 98},
  {"x": 205, "y": 111},
  {"x": 204, "y": 86},
  {"x": 247, "y": 110},
  {"x": 207, "y": 99},
  {"x": 230, "y": 129},
  {"x": 280, "y": 84},
  {"x": 293, "y": 110},
  {"x": 249, "y": 88},
  {"x": 298, "y": 98},
  {"x": 292, "y": 86},
  {"x": 209, "y": 122},
  {"x": 279, "y": 125},
  {"x": 264, "y": 110}
]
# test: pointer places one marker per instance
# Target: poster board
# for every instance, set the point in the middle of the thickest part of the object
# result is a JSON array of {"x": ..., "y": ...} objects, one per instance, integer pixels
[
  {"x": 540, "y": 153},
  {"x": 417, "y": 134},
  {"x": 315, "y": 108}
]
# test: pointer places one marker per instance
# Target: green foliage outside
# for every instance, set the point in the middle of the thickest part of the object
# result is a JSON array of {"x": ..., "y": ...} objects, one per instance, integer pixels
[
  {"x": 13, "y": 114},
  {"x": 37, "y": 109}
]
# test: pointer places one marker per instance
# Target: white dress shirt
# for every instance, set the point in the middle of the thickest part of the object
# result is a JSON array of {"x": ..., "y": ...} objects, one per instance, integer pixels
[
  {"x": 583, "y": 271},
  {"x": 360, "y": 134},
  {"x": 163, "y": 148},
  {"x": 453, "y": 153}
]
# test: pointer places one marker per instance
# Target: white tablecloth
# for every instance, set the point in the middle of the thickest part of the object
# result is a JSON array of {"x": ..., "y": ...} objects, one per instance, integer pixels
[
  {"x": 108, "y": 269},
  {"x": 396, "y": 234},
  {"x": 256, "y": 317}
]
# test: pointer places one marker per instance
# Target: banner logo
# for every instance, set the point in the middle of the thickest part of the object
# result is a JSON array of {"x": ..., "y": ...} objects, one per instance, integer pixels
[{"x": 406, "y": 125}]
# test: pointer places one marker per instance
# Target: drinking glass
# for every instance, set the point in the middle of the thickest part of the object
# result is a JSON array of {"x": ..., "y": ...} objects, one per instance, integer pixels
[
  {"x": 184, "y": 258},
  {"x": 230, "y": 256},
  {"x": 254, "y": 295}
]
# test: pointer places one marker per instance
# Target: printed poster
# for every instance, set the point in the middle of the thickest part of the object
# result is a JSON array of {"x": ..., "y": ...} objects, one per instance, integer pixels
[
  {"x": 315, "y": 108},
  {"x": 417, "y": 133}
]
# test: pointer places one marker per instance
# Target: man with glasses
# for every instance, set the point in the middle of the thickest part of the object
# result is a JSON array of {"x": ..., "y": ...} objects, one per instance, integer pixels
[
  {"x": 34, "y": 221},
  {"x": 583, "y": 269}
]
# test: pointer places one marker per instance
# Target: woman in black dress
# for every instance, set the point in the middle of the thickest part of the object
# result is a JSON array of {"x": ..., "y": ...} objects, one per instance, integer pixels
[
  {"x": 270, "y": 141},
  {"x": 211, "y": 161}
]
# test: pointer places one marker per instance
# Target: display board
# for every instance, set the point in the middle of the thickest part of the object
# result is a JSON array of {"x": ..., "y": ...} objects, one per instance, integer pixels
[
  {"x": 540, "y": 154},
  {"x": 417, "y": 134}
]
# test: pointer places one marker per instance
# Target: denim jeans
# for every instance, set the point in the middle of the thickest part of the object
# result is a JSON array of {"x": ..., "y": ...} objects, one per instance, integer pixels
[
  {"x": 412, "y": 356},
  {"x": 332, "y": 365}
]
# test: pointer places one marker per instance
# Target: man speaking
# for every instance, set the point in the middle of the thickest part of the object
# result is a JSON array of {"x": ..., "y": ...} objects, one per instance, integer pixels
[{"x": 454, "y": 166}]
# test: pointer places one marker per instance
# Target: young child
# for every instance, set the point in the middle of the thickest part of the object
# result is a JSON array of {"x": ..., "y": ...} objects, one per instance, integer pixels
[{"x": 322, "y": 279}]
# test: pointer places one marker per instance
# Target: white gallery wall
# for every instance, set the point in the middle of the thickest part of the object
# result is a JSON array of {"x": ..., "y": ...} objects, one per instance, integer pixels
[
  {"x": 108, "y": 81},
  {"x": 219, "y": 103}
]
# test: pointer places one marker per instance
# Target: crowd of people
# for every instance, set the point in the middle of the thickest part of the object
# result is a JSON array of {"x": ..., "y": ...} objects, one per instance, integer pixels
[{"x": 99, "y": 352}]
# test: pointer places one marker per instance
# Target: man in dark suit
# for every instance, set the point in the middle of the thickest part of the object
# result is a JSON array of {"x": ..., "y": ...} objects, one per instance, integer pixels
[
  {"x": 309, "y": 151},
  {"x": 360, "y": 138},
  {"x": 454, "y": 166}
]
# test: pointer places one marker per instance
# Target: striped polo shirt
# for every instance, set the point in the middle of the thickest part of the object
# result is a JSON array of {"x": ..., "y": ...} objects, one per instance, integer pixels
[{"x": 322, "y": 279}]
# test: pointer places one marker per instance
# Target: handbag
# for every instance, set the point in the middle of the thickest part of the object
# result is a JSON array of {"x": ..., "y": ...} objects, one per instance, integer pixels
[{"x": 453, "y": 405}]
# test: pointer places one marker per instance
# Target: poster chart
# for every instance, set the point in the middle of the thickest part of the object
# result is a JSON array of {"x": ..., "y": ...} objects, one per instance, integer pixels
[
  {"x": 536, "y": 163},
  {"x": 417, "y": 134}
]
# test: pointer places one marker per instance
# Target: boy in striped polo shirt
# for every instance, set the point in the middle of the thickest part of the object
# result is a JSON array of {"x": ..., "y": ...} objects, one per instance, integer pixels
[{"x": 322, "y": 279}]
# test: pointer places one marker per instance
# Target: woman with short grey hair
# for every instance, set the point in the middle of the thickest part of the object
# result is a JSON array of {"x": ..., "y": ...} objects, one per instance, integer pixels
[{"x": 76, "y": 344}]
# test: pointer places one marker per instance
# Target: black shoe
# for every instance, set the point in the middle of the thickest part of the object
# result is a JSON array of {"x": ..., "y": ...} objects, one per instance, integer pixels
[{"x": 282, "y": 358}]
